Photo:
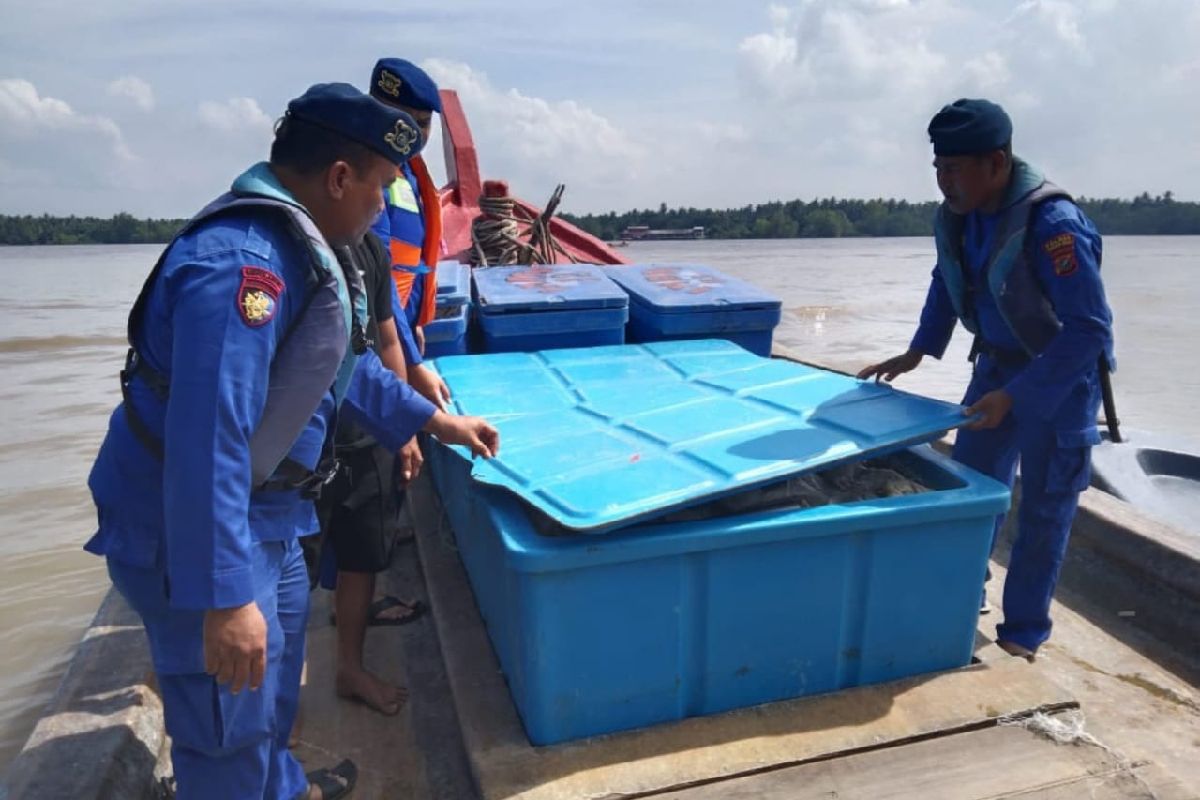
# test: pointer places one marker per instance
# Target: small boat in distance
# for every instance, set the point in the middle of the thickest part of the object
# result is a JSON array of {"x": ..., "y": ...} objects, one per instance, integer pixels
[{"x": 644, "y": 233}]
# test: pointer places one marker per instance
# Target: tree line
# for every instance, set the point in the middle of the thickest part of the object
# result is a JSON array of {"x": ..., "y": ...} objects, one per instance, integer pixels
[
  {"x": 831, "y": 218},
  {"x": 121, "y": 228},
  {"x": 827, "y": 218}
]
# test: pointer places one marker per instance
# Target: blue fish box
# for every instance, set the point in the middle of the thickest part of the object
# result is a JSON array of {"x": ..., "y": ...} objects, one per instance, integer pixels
[
  {"x": 446, "y": 335},
  {"x": 453, "y": 283},
  {"x": 539, "y": 307},
  {"x": 636, "y": 621},
  {"x": 688, "y": 301}
]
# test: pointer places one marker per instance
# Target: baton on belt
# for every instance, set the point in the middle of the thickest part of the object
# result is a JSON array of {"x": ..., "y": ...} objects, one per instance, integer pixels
[{"x": 1110, "y": 406}]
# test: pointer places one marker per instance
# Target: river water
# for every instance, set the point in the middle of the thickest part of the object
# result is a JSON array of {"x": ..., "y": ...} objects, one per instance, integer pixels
[{"x": 846, "y": 303}]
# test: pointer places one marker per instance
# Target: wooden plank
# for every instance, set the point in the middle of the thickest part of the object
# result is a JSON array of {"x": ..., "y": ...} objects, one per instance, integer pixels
[
  {"x": 633, "y": 763},
  {"x": 976, "y": 765}
]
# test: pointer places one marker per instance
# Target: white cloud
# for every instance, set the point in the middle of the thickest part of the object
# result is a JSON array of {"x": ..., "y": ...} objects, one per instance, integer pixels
[
  {"x": 56, "y": 158},
  {"x": 546, "y": 141},
  {"x": 235, "y": 115},
  {"x": 1057, "y": 18},
  {"x": 27, "y": 116},
  {"x": 827, "y": 49},
  {"x": 987, "y": 72},
  {"x": 779, "y": 15},
  {"x": 699, "y": 104},
  {"x": 135, "y": 89},
  {"x": 722, "y": 133},
  {"x": 22, "y": 106}
]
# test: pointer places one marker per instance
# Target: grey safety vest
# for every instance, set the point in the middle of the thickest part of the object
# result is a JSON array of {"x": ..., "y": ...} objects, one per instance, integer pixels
[
  {"x": 1009, "y": 272},
  {"x": 313, "y": 356}
]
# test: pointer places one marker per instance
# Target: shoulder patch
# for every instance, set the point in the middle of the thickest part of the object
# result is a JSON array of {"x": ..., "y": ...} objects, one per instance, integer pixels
[
  {"x": 1061, "y": 251},
  {"x": 258, "y": 295}
]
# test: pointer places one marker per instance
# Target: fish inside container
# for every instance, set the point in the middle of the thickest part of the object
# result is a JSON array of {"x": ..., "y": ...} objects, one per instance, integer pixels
[{"x": 888, "y": 476}]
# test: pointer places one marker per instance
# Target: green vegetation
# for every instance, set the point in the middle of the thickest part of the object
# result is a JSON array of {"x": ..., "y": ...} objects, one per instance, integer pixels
[
  {"x": 1161, "y": 215},
  {"x": 120, "y": 229},
  {"x": 834, "y": 218}
]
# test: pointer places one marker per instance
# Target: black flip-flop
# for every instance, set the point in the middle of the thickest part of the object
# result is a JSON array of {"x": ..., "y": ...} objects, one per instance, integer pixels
[
  {"x": 335, "y": 782},
  {"x": 388, "y": 602},
  {"x": 383, "y": 604}
]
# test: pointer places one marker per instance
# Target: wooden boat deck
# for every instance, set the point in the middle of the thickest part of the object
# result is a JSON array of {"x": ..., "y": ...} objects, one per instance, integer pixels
[{"x": 953, "y": 735}]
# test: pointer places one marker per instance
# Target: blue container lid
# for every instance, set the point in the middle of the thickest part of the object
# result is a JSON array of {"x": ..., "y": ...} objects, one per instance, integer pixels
[
  {"x": 686, "y": 288},
  {"x": 453, "y": 283},
  {"x": 601, "y": 437},
  {"x": 545, "y": 287}
]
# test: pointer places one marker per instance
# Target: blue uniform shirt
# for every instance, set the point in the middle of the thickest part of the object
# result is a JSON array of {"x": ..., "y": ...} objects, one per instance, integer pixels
[
  {"x": 194, "y": 513},
  {"x": 1071, "y": 280}
]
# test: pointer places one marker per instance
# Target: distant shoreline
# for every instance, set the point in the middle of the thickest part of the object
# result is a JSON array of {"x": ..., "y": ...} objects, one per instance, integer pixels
[{"x": 1144, "y": 215}]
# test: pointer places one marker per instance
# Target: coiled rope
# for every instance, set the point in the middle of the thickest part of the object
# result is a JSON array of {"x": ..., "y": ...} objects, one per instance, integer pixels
[{"x": 503, "y": 233}]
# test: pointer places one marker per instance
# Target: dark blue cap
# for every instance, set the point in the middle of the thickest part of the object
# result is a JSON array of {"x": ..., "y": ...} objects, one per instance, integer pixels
[
  {"x": 401, "y": 82},
  {"x": 341, "y": 108},
  {"x": 966, "y": 127}
]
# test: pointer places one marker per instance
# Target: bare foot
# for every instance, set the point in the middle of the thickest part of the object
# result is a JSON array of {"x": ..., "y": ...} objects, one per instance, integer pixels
[
  {"x": 377, "y": 694},
  {"x": 1019, "y": 651}
]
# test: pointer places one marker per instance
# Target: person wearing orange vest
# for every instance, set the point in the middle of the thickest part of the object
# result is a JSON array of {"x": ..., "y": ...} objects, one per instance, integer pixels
[{"x": 411, "y": 222}]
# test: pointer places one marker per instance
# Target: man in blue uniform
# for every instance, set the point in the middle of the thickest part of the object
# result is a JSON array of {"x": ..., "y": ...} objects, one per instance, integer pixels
[
  {"x": 411, "y": 223},
  {"x": 1018, "y": 264},
  {"x": 247, "y": 334}
]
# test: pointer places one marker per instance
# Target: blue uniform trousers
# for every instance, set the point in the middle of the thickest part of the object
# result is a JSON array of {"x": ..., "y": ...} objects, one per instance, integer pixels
[
  {"x": 225, "y": 745},
  {"x": 1055, "y": 458}
]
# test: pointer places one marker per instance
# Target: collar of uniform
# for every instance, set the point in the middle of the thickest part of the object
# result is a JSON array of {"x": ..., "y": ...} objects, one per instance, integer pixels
[
  {"x": 1025, "y": 178},
  {"x": 259, "y": 180}
]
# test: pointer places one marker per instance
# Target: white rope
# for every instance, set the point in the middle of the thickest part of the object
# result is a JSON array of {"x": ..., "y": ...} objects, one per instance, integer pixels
[
  {"x": 1068, "y": 728},
  {"x": 499, "y": 236}
]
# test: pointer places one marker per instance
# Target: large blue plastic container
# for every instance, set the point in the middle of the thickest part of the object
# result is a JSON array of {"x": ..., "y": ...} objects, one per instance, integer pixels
[
  {"x": 661, "y": 622},
  {"x": 691, "y": 301},
  {"x": 629, "y": 626},
  {"x": 447, "y": 334},
  {"x": 541, "y": 307}
]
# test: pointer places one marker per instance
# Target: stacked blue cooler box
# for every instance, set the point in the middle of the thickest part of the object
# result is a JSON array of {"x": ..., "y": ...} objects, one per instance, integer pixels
[
  {"x": 545, "y": 306},
  {"x": 690, "y": 301},
  {"x": 447, "y": 334},
  {"x": 604, "y": 619}
]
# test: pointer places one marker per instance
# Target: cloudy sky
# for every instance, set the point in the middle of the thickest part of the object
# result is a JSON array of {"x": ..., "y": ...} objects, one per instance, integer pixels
[{"x": 152, "y": 106}]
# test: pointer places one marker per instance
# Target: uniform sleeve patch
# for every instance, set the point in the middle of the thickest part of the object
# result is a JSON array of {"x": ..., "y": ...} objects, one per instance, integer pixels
[
  {"x": 1061, "y": 251},
  {"x": 258, "y": 296}
]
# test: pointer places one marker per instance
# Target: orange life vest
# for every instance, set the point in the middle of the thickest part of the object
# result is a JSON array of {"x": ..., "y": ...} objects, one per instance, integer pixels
[{"x": 406, "y": 254}]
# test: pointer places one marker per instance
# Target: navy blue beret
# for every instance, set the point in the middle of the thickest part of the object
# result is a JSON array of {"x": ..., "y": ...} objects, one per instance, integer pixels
[
  {"x": 341, "y": 108},
  {"x": 395, "y": 80},
  {"x": 966, "y": 127}
]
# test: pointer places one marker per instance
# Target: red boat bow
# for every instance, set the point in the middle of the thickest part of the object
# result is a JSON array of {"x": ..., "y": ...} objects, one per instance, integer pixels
[{"x": 460, "y": 197}]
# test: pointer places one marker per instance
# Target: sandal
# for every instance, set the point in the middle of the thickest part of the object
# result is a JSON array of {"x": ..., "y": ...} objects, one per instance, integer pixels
[
  {"x": 374, "y": 616},
  {"x": 385, "y": 603},
  {"x": 334, "y": 782}
]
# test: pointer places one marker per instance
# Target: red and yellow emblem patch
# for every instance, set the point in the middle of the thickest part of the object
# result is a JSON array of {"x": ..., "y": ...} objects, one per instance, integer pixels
[
  {"x": 1061, "y": 251},
  {"x": 258, "y": 296}
]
